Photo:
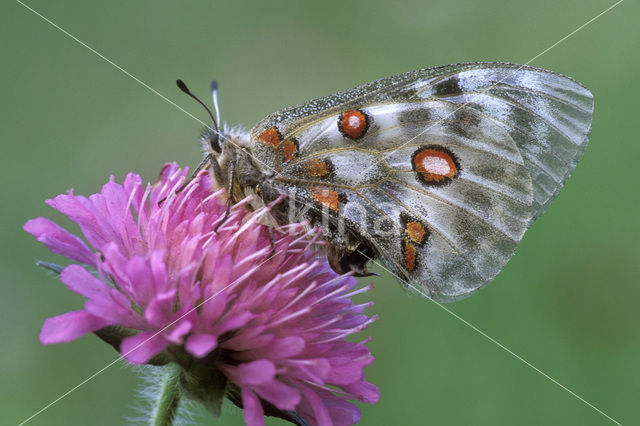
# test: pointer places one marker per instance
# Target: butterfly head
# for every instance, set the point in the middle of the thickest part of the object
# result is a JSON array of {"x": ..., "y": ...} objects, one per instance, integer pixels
[
  {"x": 222, "y": 146},
  {"x": 224, "y": 149}
]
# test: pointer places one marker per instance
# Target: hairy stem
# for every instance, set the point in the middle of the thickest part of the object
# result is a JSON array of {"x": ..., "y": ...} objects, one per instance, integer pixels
[{"x": 166, "y": 407}]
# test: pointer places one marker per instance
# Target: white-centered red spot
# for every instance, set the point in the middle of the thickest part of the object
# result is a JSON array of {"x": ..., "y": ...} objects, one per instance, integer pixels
[
  {"x": 353, "y": 124},
  {"x": 434, "y": 164}
]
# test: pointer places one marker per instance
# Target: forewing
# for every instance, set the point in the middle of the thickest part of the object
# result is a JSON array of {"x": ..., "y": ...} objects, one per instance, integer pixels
[{"x": 548, "y": 115}]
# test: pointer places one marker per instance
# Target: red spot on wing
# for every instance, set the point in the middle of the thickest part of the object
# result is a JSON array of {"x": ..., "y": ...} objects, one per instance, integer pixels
[
  {"x": 316, "y": 168},
  {"x": 270, "y": 137},
  {"x": 353, "y": 124},
  {"x": 410, "y": 255},
  {"x": 326, "y": 197},
  {"x": 416, "y": 232},
  {"x": 289, "y": 150},
  {"x": 435, "y": 164}
]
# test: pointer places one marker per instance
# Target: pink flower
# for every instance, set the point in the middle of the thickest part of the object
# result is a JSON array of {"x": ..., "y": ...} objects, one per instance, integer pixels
[{"x": 266, "y": 324}]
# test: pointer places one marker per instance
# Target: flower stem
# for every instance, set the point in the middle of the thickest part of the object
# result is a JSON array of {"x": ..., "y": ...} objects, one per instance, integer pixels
[{"x": 164, "y": 412}]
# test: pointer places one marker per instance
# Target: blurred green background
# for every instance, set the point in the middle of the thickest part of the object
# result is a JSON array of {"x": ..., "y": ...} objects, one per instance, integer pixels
[{"x": 567, "y": 302}]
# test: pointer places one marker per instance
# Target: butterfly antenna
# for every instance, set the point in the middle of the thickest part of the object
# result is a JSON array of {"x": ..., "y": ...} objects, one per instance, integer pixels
[
  {"x": 214, "y": 94},
  {"x": 212, "y": 136},
  {"x": 186, "y": 90}
]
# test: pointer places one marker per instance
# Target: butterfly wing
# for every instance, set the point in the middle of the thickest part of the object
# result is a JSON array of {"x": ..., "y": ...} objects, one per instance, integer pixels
[{"x": 440, "y": 170}]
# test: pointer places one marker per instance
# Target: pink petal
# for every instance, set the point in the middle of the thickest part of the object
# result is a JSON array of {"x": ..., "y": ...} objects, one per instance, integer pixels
[
  {"x": 342, "y": 413},
  {"x": 168, "y": 174},
  {"x": 214, "y": 306},
  {"x": 251, "y": 373},
  {"x": 201, "y": 344},
  {"x": 117, "y": 203},
  {"x": 234, "y": 322},
  {"x": 139, "y": 276},
  {"x": 79, "y": 280},
  {"x": 319, "y": 410},
  {"x": 253, "y": 413},
  {"x": 115, "y": 265},
  {"x": 133, "y": 186},
  {"x": 80, "y": 210},
  {"x": 59, "y": 240},
  {"x": 159, "y": 270},
  {"x": 142, "y": 347},
  {"x": 282, "y": 396},
  {"x": 285, "y": 348},
  {"x": 116, "y": 308},
  {"x": 159, "y": 311},
  {"x": 316, "y": 371},
  {"x": 69, "y": 326},
  {"x": 249, "y": 339},
  {"x": 178, "y": 330},
  {"x": 365, "y": 391},
  {"x": 343, "y": 374}
]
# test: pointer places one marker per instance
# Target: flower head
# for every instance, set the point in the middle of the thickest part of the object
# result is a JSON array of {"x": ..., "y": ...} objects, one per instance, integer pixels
[{"x": 265, "y": 320}]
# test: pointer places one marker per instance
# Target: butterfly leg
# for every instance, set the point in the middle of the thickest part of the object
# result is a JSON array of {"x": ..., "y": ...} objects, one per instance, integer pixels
[
  {"x": 232, "y": 179},
  {"x": 272, "y": 241},
  {"x": 258, "y": 202},
  {"x": 217, "y": 173}
]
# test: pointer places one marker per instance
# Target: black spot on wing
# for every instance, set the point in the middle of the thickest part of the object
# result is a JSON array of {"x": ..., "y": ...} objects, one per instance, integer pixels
[
  {"x": 464, "y": 122},
  {"x": 383, "y": 224},
  {"x": 415, "y": 115},
  {"x": 467, "y": 116},
  {"x": 478, "y": 200},
  {"x": 450, "y": 86},
  {"x": 491, "y": 172},
  {"x": 469, "y": 240}
]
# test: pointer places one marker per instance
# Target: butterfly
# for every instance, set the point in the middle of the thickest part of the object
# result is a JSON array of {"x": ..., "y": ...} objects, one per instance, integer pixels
[{"x": 438, "y": 171}]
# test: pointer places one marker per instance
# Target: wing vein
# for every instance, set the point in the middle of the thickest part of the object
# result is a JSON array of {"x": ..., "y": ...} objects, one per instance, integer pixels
[
  {"x": 532, "y": 140},
  {"x": 471, "y": 182},
  {"x": 522, "y": 107},
  {"x": 449, "y": 203}
]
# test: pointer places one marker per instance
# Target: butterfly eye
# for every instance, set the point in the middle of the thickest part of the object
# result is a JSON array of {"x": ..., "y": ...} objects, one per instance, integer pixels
[{"x": 211, "y": 138}]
